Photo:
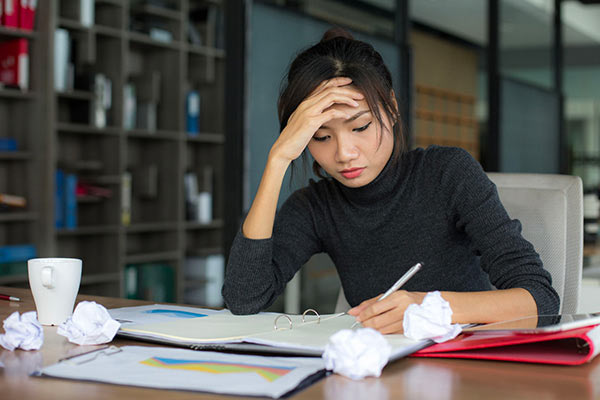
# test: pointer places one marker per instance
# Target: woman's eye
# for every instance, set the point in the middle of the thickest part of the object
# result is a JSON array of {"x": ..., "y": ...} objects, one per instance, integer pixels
[
  {"x": 320, "y": 139},
  {"x": 362, "y": 128}
]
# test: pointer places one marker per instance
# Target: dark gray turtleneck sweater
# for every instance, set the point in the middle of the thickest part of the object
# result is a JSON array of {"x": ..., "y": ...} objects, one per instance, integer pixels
[{"x": 434, "y": 206}]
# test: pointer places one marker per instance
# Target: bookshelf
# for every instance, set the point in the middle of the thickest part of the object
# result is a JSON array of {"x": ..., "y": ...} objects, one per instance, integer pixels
[{"x": 133, "y": 165}]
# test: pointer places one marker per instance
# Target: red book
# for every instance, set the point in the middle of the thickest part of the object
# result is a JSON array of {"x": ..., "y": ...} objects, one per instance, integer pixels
[
  {"x": 10, "y": 16},
  {"x": 27, "y": 14},
  {"x": 14, "y": 63},
  {"x": 571, "y": 347}
]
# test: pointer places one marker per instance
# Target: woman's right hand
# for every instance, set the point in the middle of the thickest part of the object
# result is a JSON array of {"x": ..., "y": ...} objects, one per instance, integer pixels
[{"x": 311, "y": 114}]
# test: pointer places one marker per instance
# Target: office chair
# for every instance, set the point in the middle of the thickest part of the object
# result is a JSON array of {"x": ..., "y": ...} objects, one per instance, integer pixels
[{"x": 550, "y": 208}]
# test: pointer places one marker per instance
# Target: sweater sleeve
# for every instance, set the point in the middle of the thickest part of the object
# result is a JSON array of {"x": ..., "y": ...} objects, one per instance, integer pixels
[
  {"x": 258, "y": 270},
  {"x": 509, "y": 260}
]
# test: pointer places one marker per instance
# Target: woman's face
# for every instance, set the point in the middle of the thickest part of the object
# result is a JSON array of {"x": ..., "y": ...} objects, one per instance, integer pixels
[{"x": 350, "y": 150}]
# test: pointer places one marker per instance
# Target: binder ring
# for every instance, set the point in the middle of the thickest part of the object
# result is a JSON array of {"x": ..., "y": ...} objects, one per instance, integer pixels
[
  {"x": 283, "y": 315},
  {"x": 316, "y": 313}
]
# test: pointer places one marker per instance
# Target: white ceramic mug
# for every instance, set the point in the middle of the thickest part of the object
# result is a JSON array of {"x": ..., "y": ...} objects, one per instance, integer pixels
[{"x": 54, "y": 283}]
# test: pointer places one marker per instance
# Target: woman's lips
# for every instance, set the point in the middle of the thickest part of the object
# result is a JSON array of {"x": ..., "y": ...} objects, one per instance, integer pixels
[{"x": 352, "y": 173}]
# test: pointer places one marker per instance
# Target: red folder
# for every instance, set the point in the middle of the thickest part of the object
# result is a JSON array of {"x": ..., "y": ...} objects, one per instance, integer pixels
[
  {"x": 572, "y": 347},
  {"x": 10, "y": 16},
  {"x": 14, "y": 63}
]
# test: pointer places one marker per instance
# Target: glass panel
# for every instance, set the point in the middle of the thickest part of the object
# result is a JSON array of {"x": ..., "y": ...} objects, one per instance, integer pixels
[
  {"x": 581, "y": 88},
  {"x": 526, "y": 41}
]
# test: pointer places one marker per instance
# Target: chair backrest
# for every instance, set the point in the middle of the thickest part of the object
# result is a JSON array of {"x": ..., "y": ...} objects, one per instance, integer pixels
[{"x": 550, "y": 208}]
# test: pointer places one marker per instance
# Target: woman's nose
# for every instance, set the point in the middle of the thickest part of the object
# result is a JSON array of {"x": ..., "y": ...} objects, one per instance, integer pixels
[{"x": 346, "y": 150}]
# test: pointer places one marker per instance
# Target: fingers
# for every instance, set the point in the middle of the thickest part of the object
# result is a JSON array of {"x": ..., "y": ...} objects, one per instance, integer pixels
[
  {"x": 387, "y": 315},
  {"x": 339, "y": 81}
]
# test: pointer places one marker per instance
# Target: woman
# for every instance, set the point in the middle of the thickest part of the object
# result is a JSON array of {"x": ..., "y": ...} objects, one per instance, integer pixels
[{"x": 378, "y": 208}]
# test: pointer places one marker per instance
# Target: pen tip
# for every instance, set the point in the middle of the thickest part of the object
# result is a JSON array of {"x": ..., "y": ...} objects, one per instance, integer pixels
[{"x": 13, "y": 298}]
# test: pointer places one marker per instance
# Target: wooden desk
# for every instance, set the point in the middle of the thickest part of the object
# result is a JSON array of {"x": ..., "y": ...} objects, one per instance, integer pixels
[{"x": 404, "y": 379}]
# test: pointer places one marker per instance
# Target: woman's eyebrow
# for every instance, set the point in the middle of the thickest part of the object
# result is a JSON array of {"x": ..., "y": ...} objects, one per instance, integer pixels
[
  {"x": 355, "y": 116},
  {"x": 352, "y": 118}
]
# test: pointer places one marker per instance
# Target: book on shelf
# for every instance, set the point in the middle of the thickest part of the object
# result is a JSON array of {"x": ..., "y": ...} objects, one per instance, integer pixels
[
  {"x": 8, "y": 144},
  {"x": 126, "y": 198},
  {"x": 14, "y": 63},
  {"x": 192, "y": 113},
  {"x": 145, "y": 182},
  {"x": 129, "y": 106},
  {"x": 12, "y": 201},
  {"x": 102, "y": 100},
  {"x": 17, "y": 253},
  {"x": 88, "y": 190},
  {"x": 10, "y": 15},
  {"x": 59, "y": 199},
  {"x": 147, "y": 92},
  {"x": 62, "y": 56},
  {"x": 27, "y": 14},
  {"x": 70, "y": 201}
]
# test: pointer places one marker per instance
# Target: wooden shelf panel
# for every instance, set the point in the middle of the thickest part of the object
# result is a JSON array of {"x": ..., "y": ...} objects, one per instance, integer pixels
[
  {"x": 76, "y": 95},
  {"x": 15, "y": 155},
  {"x": 203, "y": 252},
  {"x": 17, "y": 216},
  {"x": 86, "y": 129},
  {"x": 218, "y": 138},
  {"x": 146, "y": 40},
  {"x": 108, "y": 31},
  {"x": 158, "y": 134},
  {"x": 206, "y": 51},
  {"x": 68, "y": 23},
  {"x": 216, "y": 224},
  {"x": 152, "y": 227},
  {"x": 89, "y": 230},
  {"x": 152, "y": 257},
  {"x": 157, "y": 11},
  {"x": 16, "y": 94},
  {"x": 17, "y": 33}
]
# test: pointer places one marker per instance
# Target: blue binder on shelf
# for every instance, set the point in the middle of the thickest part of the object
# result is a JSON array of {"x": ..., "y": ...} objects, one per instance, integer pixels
[
  {"x": 70, "y": 201},
  {"x": 192, "y": 113},
  {"x": 59, "y": 199}
]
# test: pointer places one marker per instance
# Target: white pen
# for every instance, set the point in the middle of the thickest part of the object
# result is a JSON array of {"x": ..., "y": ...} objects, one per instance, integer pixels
[
  {"x": 403, "y": 279},
  {"x": 399, "y": 283}
]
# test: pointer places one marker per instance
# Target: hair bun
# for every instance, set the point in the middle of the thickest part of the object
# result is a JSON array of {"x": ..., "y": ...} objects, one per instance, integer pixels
[{"x": 336, "y": 32}]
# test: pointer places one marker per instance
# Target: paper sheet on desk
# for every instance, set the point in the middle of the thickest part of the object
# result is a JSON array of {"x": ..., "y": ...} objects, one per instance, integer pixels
[{"x": 180, "y": 369}]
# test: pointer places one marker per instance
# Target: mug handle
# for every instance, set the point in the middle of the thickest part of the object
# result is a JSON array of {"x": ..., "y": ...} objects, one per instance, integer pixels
[{"x": 47, "y": 277}]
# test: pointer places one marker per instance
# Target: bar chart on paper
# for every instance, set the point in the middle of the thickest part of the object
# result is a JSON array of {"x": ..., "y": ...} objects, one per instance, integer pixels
[{"x": 269, "y": 373}]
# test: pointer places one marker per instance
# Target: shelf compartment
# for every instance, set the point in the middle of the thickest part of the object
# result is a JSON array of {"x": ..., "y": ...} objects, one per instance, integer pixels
[
  {"x": 98, "y": 251},
  {"x": 13, "y": 279},
  {"x": 153, "y": 241},
  {"x": 155, "y": 188},
  {"x": 204, "y": 251},
  {"x": 109, "y": 31},
  {"x": 94, "y": 279}
]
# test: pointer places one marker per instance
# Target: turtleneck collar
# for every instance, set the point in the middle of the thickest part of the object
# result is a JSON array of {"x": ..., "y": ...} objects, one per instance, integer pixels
[{"x": 379, "y": 188}]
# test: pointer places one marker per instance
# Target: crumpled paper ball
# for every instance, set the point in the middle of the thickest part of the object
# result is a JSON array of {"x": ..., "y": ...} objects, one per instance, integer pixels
[
  {"x": 90, "y": 324},
  {"x": 432, "y": 319},
  {"x": 357, "y": 353},
  {"x": 22, "y": 331}
]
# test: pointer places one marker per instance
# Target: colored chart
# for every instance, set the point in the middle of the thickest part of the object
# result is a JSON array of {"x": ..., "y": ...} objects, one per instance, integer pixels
[
  {"x": 175, "y": 313},
  {"x": 214, "y": 367}
]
